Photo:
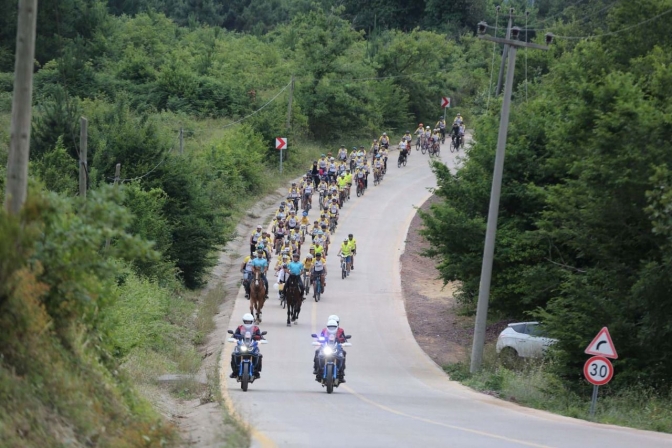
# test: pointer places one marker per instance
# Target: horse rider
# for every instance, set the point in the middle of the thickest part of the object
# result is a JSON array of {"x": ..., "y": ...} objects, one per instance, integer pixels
[
  {"x": 247, "y": 326},
  {"x": 295, "y": 268},
  {"x": 246, "y": 269},
  {"x": 261, "y": 263},
  {"x": 332, "y": 328}
]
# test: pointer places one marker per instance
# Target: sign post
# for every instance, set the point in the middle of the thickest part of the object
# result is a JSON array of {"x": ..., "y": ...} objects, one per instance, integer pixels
[
  {"x": 445, "y": 103},
  {"x": 598, "y": 370},
  {"x": 280, "y": 143}
]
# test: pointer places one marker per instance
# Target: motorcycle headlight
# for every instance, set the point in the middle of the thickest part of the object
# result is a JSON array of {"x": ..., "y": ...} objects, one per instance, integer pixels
[
  {"x": 328, "y": 351},
  {"x": 243, "y": 348}
]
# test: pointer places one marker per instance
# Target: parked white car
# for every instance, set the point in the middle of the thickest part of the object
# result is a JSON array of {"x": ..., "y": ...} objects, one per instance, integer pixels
[{"x": 524, "y": 339}]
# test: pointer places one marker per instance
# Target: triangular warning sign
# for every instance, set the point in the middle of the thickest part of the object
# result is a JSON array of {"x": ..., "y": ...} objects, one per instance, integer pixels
[{"x": 602, "y": 345}]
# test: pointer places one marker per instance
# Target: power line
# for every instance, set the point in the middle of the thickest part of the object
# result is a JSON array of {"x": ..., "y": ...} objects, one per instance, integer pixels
[
  {"x": 492, "y": 66},
  {"x": 561, "y": 12},
  {"x": 583, "y": 19},
  {"x": 612, "y": 33},
  {"x": 260, "y": 109}
]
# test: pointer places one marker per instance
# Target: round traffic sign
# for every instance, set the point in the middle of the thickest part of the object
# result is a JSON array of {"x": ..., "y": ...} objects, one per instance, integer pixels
[{"x": 598, "y": 370}]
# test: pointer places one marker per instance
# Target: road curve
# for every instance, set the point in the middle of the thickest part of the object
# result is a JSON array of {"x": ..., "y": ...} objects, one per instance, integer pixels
[{"x": 395, "y": 394}]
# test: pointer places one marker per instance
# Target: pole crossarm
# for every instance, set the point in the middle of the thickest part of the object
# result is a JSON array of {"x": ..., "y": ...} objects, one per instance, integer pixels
[{"x": 514, "y": 43}]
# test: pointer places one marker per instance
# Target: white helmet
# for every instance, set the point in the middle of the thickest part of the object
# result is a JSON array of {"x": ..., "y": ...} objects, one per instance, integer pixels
[
  {"x": 332, "y": 326},
  {"x": 335, "y": 318},
  {"x": 248, "y": 320}
]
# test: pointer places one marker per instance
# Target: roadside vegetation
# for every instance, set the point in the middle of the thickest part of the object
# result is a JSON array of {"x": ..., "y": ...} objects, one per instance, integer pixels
[
  {"x": 585, "y": 231},
  {"x": 87, "y": 327}
]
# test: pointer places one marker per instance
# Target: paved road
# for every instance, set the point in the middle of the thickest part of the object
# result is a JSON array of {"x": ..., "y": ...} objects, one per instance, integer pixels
[{"x": 395, "y": 395}]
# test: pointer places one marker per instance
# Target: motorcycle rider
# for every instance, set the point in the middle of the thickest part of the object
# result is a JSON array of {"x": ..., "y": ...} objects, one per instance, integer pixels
[
  {"x": 248, "y": 325},
  {"x": 332, "y": 328}
]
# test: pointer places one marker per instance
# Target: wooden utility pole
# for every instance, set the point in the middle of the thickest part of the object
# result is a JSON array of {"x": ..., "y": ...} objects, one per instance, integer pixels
[
  {"x": 83, "y": 142},
  {"x": 117, "y": 177},
  {"x": 16, "y": 189},
  {"x": 289, "y": 116},
  {"x": 181, "y": 141}
]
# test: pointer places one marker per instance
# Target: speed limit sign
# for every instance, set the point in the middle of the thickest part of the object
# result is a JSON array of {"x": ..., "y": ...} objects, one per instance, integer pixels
[{"x": 598, "y": 370}]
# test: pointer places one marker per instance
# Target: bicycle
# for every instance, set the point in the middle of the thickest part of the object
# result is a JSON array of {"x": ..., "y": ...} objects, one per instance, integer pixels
[
  {"x": 317, "y": 290},
  {"x": 344, "y": 267},
  {"x": 360, "y": 187},
  {"x": 402, "y": 160},
  {"x": 306, "y": 282},
  {"x": 455, "y": 144},
  {"x": 376, "y": 178}
]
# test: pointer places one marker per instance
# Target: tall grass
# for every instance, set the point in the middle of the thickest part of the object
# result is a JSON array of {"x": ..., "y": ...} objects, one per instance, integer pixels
[{"x": 532, "y": 383}]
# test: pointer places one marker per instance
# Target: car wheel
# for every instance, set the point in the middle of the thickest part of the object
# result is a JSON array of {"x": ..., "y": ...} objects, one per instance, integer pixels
[{"x": 509, "y": 358}]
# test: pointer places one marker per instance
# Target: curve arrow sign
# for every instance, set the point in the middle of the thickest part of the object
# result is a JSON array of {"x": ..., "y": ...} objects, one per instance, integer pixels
[
  {"x": 280, "y": 142},
  {"x": 602, "y": 345}
]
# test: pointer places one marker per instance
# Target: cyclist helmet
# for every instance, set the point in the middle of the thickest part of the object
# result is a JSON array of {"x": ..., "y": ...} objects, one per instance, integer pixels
[
  {"x": 342, "y": 174},
  {"x": 248, "y": 320},
  {"x": 334, "y": 317},
  {"x": 354, "y": 148},
  {"x": 322, "y": 155},
  {"x": 377, "y": 156},
  {"x": 319, "y": 255},
  {"x": 259, "y": 226},
  {"x": 458, "y": 114},
  {"x": 305, "y": 213},
  {"x": 309, "y": 256},
  {"x": 385, "y": 133},
  {"x": 345, "y": 240},
  {"x": 427, "y": 127},
  {"x": 342, "y": 146},
  {"x": 408, "y": 132},
  {"x": 324, "y": 226},
  {"x": 332, "y": 326},
  {"x": 350, "y": 235},
  {"x": 320, "y": 233},
  {"x": 331, "y": 159}
]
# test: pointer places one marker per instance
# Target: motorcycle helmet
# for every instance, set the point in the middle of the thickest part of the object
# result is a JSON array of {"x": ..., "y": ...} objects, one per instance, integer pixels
[
  {"x": 332, "y": 326},
  {"x": 335, "y": 318},
  {"x": 248, "y": 320}
]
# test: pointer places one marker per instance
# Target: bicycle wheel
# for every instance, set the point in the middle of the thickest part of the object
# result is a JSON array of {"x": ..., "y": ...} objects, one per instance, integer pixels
[
  {"x": 343, "y": 271},
  {"x": 404, "y": 162},
  {"x": 417, "y": 145},
  {"x": 424, "y": 149}
]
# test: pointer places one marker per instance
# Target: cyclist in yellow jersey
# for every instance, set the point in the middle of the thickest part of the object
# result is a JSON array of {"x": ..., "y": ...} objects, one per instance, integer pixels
[
  {"x": 353, "y": 246},
  {"x": 384, "y": 141},
  {"x": 346, "y": 253}
]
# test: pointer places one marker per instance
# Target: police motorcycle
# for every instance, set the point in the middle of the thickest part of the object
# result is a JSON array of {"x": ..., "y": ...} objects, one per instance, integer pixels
[
  {"x": 248, "y": 351},
  {"x": 329, "y": 354}
]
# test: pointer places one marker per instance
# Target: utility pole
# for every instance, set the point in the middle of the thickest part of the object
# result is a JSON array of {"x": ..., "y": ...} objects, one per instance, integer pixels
[
  {"x": 16, "y": 189},
  {"x": 289, "y": 114},
  {"x": 83, "y": 168},
  {"x": 493, "y": 212},
  {"x": 505, "y": 51},
  {"x": 181, "y": 141},
  {"x": 117, "y": 176}
]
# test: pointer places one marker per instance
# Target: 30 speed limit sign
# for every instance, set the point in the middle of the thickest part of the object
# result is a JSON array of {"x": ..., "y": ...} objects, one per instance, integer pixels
[{"x": 598, "y": 370}]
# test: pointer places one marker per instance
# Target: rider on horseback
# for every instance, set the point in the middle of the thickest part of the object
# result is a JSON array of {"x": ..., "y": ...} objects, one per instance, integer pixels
[
  {"x": 248, "y": 326},
  {"x": 332, "y": 328},
  {"x": 295, "y": 270},
  {"x": 261, "y": 263}
]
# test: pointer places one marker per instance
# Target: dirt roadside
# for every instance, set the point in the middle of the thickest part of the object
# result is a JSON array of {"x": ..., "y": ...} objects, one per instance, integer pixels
[
  {"x": 203, "y": 422},
  {"x": 432, "y": 312}
]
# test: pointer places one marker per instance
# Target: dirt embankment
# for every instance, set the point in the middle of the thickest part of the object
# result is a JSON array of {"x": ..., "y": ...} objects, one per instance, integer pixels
[{"x": 432, "y": 311}]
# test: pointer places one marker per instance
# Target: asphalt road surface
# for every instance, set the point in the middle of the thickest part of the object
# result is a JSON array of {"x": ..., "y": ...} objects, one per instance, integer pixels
[{"x": 395, "y": 395}]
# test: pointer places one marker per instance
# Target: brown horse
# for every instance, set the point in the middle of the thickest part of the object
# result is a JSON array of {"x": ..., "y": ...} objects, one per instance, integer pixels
[
  {"x": 257, "y": 294},
  {"x": 294, "y": 299}
]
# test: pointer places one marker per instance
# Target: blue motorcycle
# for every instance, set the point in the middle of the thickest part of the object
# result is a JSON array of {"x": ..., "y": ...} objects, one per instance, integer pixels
[
  {"x": 330, "y": 357},
  {"x": 247, "y": 349}
]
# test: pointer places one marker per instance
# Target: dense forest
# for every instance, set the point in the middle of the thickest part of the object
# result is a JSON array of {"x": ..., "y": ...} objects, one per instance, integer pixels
[{"x": 585, "y": 229}]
